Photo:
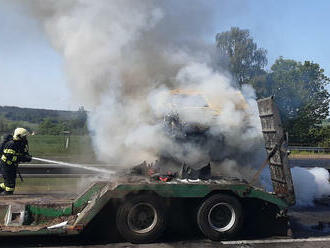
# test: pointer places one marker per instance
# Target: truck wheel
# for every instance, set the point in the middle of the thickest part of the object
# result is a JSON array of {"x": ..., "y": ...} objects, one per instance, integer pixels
[
  {"x": 220, "y": 217},
  {"x": 141, "y": 219}
]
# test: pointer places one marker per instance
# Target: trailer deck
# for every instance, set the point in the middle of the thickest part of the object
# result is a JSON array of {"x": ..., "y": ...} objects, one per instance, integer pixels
[
  {"x": 141, "y": 197},
  {"x": 32, "y": 214},
  {"x": 49, "y": 198}
]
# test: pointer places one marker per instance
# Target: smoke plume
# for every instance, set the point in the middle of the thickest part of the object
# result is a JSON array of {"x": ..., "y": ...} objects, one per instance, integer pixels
[
  {"x": 310, "y": 184},
  {"x": 125, "y": 58},
  {"x": 127, "y": 62}
]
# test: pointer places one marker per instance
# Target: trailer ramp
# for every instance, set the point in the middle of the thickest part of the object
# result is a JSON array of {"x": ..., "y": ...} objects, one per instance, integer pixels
[{"x": 276, "y": 146}]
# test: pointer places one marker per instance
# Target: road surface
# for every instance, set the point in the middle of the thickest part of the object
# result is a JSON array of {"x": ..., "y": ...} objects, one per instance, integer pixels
[{"x": 306, "y": 228}]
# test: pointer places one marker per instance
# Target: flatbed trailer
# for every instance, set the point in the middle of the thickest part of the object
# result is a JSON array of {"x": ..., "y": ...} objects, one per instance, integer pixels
[{"x": 219, "y": 206}]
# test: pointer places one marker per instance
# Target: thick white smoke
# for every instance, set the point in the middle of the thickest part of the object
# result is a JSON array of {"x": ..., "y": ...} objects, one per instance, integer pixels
[
  {"x": 310, "y": 184},
  {"x": 124, "y": 58}
]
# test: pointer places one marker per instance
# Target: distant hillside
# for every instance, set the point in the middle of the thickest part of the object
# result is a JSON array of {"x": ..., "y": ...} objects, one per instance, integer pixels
[{"x": 37, "y": 115}]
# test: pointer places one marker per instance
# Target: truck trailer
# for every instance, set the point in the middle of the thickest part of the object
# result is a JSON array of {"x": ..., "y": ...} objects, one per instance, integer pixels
[{"x": 221, "y": 208}]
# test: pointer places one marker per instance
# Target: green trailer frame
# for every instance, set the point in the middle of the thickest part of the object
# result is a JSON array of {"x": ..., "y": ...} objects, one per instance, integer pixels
[
  {"x": 85, "y": 207},
  {"x": 35, "y": 217}
]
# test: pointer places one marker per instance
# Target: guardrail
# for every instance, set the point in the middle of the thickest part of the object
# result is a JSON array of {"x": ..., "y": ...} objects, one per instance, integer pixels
[
  {"x": 62, "y": 171},
  {"x": 55, "y": 170},
  {"x": 310, "y": 149}
]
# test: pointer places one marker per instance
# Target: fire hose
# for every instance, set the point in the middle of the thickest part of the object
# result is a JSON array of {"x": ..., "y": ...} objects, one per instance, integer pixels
[{"x": 99, "y": 170}]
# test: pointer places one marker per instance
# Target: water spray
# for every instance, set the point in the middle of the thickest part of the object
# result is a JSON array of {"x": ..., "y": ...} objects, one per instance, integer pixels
[{"x": 108, "y": 172}]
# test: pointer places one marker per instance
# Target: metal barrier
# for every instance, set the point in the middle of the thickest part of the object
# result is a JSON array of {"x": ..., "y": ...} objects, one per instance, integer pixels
[{"x": 310, "y": 149}]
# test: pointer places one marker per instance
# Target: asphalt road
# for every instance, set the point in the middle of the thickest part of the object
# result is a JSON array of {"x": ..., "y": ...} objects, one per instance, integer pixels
[
  {"x": 307, "y": 232},
  {"x": 310, "y": 162},
  {"x": 211, "y": 244},
  {"x": 271, "y": 243}
]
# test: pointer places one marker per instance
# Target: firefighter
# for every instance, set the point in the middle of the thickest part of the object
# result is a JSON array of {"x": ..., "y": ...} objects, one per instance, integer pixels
[{"x": 14, "y": 151}]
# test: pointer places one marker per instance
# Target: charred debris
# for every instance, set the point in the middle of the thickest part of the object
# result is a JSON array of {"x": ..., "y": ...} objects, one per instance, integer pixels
[{"x": 157, "y": 172}]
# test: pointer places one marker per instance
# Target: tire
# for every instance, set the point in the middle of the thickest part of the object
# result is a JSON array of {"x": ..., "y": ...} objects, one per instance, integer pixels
[
  {"x": 220, "y": 217},
  {"x": 141, "y": 219}
]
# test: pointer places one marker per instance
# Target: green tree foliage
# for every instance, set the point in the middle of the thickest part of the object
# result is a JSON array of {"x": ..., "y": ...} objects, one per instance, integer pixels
[
  {"x": 37, "y": 115},
  {"x": 3, "y": 125},
  {"x": 299, "y": 90},
  {"x": 324, "y": 136},
  {"x": 321, "y": 136},
  {"x": 79, "y": 122},
  {"x": 44, "y": 121},
  {"x": 240, "y": 55},
  {"x": 49, "y": 126},
  {"x": 76, "y": 125},
  {"x": 7, "y": 126},
  {"x": 54, "y": 127}
]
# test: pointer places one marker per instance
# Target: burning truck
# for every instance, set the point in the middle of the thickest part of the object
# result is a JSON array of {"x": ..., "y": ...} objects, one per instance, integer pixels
[
  {"x": 141, "y": 199},
  {"x": 188, "y": 121}
]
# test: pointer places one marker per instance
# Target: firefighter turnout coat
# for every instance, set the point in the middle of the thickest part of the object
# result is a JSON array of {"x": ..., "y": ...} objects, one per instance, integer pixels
[{"x": 14, "y": 152}]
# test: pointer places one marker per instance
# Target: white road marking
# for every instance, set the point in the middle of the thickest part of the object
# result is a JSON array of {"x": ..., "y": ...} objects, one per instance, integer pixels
[{"x": 273, "y": 241}]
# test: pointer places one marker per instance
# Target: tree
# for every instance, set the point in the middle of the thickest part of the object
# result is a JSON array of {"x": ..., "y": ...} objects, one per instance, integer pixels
[
  {"x": 240, "y": 55},
  {"x": 3, "y": 125},
  {"x": 47, "y": 126},
  {"x": 300, "y": 93}
]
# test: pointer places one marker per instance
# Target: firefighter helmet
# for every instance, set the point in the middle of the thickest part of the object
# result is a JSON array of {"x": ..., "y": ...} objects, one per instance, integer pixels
[{"x": 20, "y": 133}]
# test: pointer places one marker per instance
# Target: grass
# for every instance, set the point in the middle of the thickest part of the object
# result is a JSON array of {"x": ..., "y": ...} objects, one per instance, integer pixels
[
  {"x": 309, "y": 155},
  {"x": 48, "y": 185},
  {"x": 53, "y": 147}
]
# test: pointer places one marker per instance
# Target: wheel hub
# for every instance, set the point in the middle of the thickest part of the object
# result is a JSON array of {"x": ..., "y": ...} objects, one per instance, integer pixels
[
  {"x": 221, "y": 217},
  {"x": 142, "y": 218}
]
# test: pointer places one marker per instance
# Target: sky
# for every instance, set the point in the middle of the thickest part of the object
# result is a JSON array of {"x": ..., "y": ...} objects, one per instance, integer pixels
[{"x": 32, "y": 73}]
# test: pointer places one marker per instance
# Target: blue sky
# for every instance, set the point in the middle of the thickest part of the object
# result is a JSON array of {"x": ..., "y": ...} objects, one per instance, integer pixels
[{"x": 32, "y": 73}]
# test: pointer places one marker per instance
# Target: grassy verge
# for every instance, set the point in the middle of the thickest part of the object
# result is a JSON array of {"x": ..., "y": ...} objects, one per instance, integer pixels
[
  {"x": 309, "y": 155},
  {"x": 53, "y": 147},
  {"x": 51, "y": 185}
]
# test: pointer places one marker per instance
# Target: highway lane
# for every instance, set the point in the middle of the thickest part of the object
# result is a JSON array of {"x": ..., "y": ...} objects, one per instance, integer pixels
[
  {"x": 310, "y": 162},
  {"x": 313, "y": 243},
  {"x": 304, "y": 222}
]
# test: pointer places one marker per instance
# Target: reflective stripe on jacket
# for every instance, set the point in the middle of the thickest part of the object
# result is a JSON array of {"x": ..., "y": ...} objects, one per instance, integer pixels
[{"x": 15, "y": 152}]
